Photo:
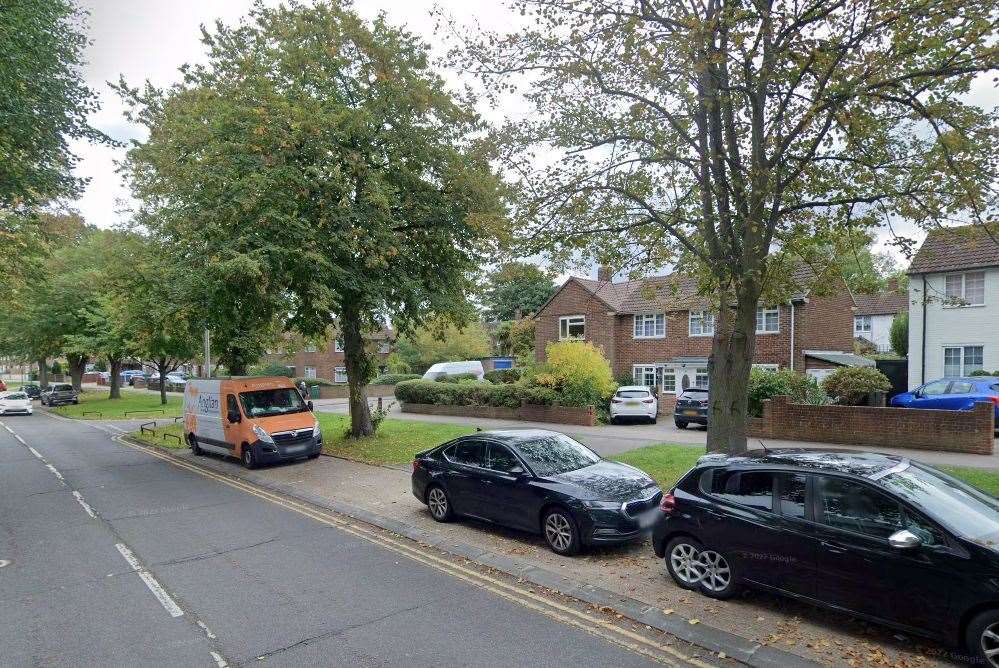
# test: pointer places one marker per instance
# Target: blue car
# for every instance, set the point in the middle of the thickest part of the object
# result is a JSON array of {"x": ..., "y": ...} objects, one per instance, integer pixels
[{"x": 953, "y": 394}]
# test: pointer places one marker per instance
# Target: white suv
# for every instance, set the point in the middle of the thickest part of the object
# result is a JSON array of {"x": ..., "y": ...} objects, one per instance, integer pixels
[{"x": 634, "y": 401}]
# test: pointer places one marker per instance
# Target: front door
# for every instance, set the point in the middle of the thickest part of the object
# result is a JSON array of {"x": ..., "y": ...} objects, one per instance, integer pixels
[
  {"x": 508, "y": 497},
  {"x": 463, "y": 478},
  {"x": 230, "y": 429}
]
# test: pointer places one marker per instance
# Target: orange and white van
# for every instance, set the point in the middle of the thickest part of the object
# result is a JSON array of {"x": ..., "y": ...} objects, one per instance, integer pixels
[{"x": 258, "y": 420}]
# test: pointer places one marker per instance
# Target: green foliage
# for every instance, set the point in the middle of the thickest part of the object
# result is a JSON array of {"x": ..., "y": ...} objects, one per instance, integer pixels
[
  {"x": 898, "y": 335},
  {"x": 516, "y": 338},
  {"x": 442, "y": 342},
  {"x": 310, "y": 382},
  {"x": 56, "y": 367},
  {"x": 503, "y": 375},
  {"x": 44, "y": 104},
  {"x": 983, "y": 372},
  {"x": 852, "y": 384},
  {"x": 272, "y": 370},
  {"x": 577, "y": 372},
  {"x": 516, "y": 289},
  {"x": 393, "y": 378},
  {"x": 457, "y": 378},
  {"x": 765, "y": 385},
  {"x": 472, "y": 394}
]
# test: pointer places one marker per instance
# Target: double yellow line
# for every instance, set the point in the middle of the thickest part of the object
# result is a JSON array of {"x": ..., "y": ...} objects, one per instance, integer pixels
[{"x": 590, "y": 623}]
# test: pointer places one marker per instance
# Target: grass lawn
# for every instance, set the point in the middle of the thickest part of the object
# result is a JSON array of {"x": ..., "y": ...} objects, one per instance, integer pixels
[
  {"x": 666, "y": 463},
  {"x": 158, "y": 439},
  {"x": 146, "y": 403},
  {"x": 395, "y": 442}
]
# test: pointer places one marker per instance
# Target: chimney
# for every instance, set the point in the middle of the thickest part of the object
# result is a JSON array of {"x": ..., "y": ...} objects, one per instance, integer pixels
[
  {"x": 604, "y": 273},
  {"x": 892, "y": 285}
]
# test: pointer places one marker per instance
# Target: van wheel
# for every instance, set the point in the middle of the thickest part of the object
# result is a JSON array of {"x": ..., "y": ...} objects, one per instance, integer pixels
[
  {"x": 195, "y": 448},
  {"x": 248, "y": 458}
]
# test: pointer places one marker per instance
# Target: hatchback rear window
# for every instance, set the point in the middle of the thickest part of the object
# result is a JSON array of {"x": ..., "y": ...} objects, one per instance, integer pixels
[
  {"x": 748, "y": 488},
  {"x": 633, "y": 394}
]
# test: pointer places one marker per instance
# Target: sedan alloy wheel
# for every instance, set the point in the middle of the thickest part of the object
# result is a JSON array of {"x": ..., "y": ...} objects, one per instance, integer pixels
[
  {"x": 990, "y": 644},
  {"x": 437, "y": 501},
  {"x": 560, "y": 532}
]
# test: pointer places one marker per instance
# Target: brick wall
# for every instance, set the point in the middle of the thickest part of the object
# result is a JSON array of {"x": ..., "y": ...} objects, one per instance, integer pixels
[
  {"x": 947, "y": 431},
  {"x": 325, "y": 360},
  {"x": 574, "y": 299},
  {"x": 824, "y": 323},
  {"x": 529, "y": 412}
]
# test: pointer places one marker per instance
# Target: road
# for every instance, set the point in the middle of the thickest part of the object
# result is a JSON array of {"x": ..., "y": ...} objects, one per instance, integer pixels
[{"x": 110, "y": 555}]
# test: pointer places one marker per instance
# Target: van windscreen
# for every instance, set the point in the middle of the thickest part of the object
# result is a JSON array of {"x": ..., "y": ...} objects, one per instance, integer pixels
[{"x": 279, "y": 401}]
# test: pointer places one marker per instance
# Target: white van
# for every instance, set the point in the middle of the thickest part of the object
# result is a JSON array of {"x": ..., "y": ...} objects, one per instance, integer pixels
[{"x": 453, "y": 369}]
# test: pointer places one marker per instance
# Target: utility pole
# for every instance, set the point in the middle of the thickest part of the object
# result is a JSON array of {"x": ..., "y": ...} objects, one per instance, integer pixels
[{"x": 208, "y": 354}]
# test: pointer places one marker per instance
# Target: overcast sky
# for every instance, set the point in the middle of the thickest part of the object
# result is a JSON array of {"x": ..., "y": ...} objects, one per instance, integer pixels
[{"x": 150, "y": 39}]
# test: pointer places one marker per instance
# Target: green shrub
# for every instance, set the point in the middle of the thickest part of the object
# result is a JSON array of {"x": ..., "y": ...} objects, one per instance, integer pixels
[
  {"x": 898, "y": 335},
  {"x": 983, "y": 372},
  {"x": 393, "y": 378},
  {"x": 457, "y": 378},
  {"x": 272, "y": 370},
  {"x": 577, "y": 372},
  {"x": 765, "y": 385},
  {"x": 503, "y": 375},
  {"x": 322, "y": 382},
  {"x": 852, "y": 384}
]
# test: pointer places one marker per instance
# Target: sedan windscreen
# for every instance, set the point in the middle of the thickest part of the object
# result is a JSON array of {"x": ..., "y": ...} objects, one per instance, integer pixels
[
  {"x": 556, "y": 454},
  {"x": 966, "y": 510},
  {"x": 280, "y": 401}
]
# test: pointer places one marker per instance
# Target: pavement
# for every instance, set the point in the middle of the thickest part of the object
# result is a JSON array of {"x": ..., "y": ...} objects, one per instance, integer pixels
[
  {"x": 758, "y": 629},
  {"x": 609, "y": 440},
  {"x": 113, "y": 555}
]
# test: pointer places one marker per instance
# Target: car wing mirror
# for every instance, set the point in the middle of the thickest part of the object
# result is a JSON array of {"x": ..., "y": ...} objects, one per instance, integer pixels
[
  {"x": 234, "y": 417},
  {"x": 904, "y": 540},
  {"x": 310, "y": 405},
  {"x": 518, "y": 472}
]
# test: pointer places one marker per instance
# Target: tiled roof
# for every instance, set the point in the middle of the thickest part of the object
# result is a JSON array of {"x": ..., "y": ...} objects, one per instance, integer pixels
[
  {"x": 841, "y": 359},
  {"x": 953, "y": 248},
  {"x": 613, "y": 294},
  {"x": 884, "y": 303}
]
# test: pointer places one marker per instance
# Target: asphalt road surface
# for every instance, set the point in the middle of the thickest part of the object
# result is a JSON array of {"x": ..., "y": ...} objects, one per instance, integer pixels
[{"x": 112, "y": 556}]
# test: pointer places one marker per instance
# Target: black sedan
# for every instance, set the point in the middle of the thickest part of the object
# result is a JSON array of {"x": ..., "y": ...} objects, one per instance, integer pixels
[
  {"x": 539, "y": 481},
  {"x": 877, "y": 536},
  {"x": 691, "y": 408},
  {"x": 32, "y": 390}
]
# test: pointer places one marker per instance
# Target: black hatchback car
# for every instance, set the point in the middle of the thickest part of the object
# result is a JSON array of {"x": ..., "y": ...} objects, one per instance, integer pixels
[
  {"x": 539, "y": 481},
  {"x": 691, "y": 408},
  {"x": 877, "y": 536}
]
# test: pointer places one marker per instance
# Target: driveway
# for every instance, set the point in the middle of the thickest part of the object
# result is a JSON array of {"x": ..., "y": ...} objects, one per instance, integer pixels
[{"x": 609, "y": 440}]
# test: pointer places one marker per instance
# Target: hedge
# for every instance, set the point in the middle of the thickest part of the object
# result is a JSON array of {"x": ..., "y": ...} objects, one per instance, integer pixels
[
  {"x": 503, "y": 375},
  {"x": 393, "y": 378},
  {"x": 471, "y": 394},
  {"x": 322, "y": 382}
]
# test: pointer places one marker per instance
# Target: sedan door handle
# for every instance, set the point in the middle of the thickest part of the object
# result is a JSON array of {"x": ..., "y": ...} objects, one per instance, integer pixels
[
  {"x": 834, "y": 549},
  {"x": 487, "y": 481}
]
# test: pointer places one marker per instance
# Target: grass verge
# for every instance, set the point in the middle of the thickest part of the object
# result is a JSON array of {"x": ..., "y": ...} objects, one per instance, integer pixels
[
  {"x": 162, "y": 436},
  {"x": 137, "y": 403},
  {"x": 666, "y": 463}
]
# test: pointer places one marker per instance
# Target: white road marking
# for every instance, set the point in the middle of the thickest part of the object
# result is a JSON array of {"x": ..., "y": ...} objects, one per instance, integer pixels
[
  {"x": 4, "y": 562},
  {"x": 19, "y": 439},
  {"x": 219, "y": 661},
  {"x": 208, "y": 631},
  {"x": 155, "y": 587},
  {"x": 36, "y": 453},
  {"x": 55, "y": 472},
  {"x": 86, "y": 506}
]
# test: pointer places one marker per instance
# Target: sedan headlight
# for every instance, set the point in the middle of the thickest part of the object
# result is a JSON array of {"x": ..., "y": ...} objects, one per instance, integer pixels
[
  {"x": 316, "y": 431},
  {"x": 262, "y": 435},
  {"x": 603, "y": 505}
]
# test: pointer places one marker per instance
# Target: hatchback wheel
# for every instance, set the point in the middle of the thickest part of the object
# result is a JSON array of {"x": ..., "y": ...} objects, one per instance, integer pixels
[
  {"x": 680, "y": 424},
  {"x": 983, "y": 638},
  {"x": 248, "y": 458},
  {"x": 560, "y": 532},
  {"x": 682, "y": 562},
  {"x": 439, "y": 504},
  {"x": 718, "y": 580}
]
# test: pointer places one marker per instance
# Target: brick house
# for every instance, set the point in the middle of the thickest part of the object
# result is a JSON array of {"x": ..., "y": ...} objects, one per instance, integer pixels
[
  {"x": 954, "y": 304},
  {"x": 326, "y": 360},
  {"x": 658, "y": 331},
  {"x": 874, "y": 315}
]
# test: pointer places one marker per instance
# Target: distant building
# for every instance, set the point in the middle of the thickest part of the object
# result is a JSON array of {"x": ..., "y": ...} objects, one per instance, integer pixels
[
  {"x": 327, "y": 362},
  {"x": 874, "y": 315}
]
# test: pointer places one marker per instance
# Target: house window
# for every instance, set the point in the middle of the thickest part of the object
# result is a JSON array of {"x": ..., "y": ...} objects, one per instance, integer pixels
[
  {"x": 767, "y": 320},
  {"x": 644, "y": 374},
  {"x": 311, "y": 348},
  {"x": 339, "y": 374},
  {"x": 862, "y": 324},
  {"x": 963, "y": 360},
  {"x": 384, "y": 347},
  {"x": 766, "y": 367},
  {"x": 650, "y": 326},
  {"x": 338, "y": 346},
  {"x": 702, "y": 323},
  {"x": 669, "y": 380},
  {"x": 701, "y": 378},
  {"x": 310, "y": 372},
  {"x": 572, "y": 327},
  {"x": 965, "y": 289}
]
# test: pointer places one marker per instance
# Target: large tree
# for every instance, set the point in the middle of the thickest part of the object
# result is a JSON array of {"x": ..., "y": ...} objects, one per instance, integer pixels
[
  {"x": 323, "y": 156},
  {"x": 516, "y": 289},
  {"x": 725, "y": 134}
]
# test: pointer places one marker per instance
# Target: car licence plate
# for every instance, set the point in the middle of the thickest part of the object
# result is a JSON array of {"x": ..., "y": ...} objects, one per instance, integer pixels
[
  {"x": 693, "y": 413},
  {"x": 294, "y": 449},
  {"x": 631, "y": 403}
]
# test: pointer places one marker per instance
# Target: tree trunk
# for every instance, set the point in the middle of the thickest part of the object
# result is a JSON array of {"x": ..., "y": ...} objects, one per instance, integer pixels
[
  {"x": 77, "y": 364},
  {"x": 358, "y": 371},
  {"x": 115, "y": 390},
  {"x": 161, "y": 367},
  {"x": 43, "y": 373},
  {"x": 731, "y": 361}
]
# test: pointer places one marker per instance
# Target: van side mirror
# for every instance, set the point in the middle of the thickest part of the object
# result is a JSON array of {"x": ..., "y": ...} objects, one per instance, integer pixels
[
  {"x": 310, "y": 405},
  {"x": 234, "y": 417}
]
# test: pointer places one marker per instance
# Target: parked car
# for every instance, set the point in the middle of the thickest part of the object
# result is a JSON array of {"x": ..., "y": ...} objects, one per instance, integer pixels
[
  {"x": 634, "y": 401},
  {"x": 128, "y": 377},
  {"x": 954, "y": 394},
  {"x": 32, "y": 390},
  {"x": 58, "y": 394},
  {"x": 176, "y": 382},
  {"x": 691, "y": 407},
  {"x": 539, "y": 481},
  {"x": 441, "y": 369},
  {"x": 878, "y": 536},
  {"x": 15, "y": 402}
]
